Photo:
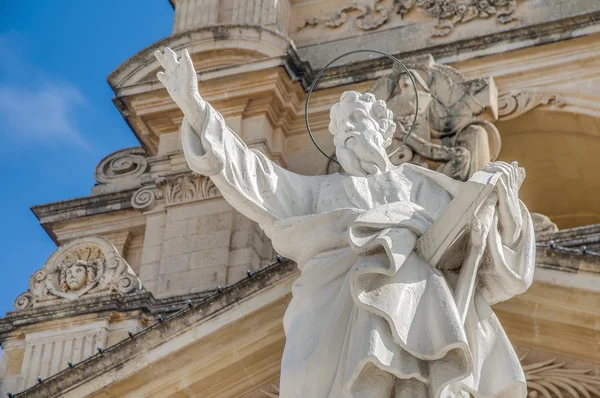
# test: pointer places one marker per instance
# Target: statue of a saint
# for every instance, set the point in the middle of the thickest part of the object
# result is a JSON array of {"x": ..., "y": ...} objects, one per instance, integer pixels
[{"x": 370, "y": 317}]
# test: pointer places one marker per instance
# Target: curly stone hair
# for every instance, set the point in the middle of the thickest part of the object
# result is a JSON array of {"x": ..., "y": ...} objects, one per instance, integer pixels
[
  {"x": 91, "y": 271},
  {"x": 377, "y": 110}
]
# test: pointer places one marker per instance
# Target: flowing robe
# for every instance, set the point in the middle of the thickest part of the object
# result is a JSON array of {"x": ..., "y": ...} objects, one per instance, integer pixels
[{"x": 369, "y": 318}]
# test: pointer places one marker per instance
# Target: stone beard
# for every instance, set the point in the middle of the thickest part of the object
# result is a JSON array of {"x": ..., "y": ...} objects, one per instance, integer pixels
[{"x": 369, "y": 318}]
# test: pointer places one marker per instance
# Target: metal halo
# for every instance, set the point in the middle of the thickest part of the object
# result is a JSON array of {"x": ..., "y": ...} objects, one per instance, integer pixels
[{"x": 312, "y": 86}]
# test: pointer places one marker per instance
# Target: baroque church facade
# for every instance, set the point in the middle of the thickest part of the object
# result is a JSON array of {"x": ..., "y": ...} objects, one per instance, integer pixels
[{"x": 158, "y": 287}]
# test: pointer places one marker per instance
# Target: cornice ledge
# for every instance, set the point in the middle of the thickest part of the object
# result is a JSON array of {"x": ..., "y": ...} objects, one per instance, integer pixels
[
  {"x": 144, "y": 301},
  {"x": 567, "y": 260},
  {"x": 83, "y": 206}
]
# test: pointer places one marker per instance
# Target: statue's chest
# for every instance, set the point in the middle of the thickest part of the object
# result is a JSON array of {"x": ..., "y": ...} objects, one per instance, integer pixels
[{"x": 343, "y": 191}]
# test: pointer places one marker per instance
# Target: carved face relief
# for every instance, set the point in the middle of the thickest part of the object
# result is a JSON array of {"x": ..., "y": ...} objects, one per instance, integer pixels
[
  {"x": 76, "y": 276},
  {"x": 85, "y": 266}
]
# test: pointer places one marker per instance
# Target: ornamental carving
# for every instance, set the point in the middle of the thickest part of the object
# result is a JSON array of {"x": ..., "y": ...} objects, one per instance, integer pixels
[
  {"x": 368, "y": 15},
  {"x": 174, "y": 190},
  {"x": 371, "y": 14},
  {"x": 120, "y": 170},
  {"x": 452, "y": 12},
  {"x": 84, "y": 267},
  {"x": 553, "y": 379},
  {"x": 514, "y": 104},
  {"x": 186, "y": 188}
]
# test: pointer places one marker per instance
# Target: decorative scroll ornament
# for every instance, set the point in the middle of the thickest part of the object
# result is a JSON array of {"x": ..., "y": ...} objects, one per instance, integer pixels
[
  {"x": 514, "y": 104},
  {"x": 370, "y": 15},
  {"x": 452, "y": 12},
  {"x": 121, "y": 170},
  {"x": 552, "y": 379},
  {"x": 174, "y": 190},
  {"x": 144, "y": 198},
  {"x": 86, "y": 266}
]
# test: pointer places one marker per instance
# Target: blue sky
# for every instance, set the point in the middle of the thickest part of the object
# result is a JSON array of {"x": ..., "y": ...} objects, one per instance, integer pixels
[{"x": 57, "y": 119}]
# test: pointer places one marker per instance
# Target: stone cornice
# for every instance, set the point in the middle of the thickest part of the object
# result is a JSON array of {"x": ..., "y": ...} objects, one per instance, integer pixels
[
  {"x": 567, "y": 260},
  {"x": 143, "y": 301},
  {"x": 83, "y": 206}
]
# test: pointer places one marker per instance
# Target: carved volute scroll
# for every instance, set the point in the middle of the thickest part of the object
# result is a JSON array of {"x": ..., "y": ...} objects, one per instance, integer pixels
[
  {"x": 82, "y": 267},
  {"x": 121, "y": 170}
]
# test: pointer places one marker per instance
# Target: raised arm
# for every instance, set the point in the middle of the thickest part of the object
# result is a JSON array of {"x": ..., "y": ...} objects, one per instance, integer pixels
[{"x": 254, "y": 185}]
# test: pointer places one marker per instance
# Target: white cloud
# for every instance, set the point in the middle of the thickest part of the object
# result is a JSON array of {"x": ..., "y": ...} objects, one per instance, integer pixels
[{"x": 35, "y": 107}]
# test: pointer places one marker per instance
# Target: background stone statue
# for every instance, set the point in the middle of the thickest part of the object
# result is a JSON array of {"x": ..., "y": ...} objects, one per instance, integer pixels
[
  {"x": 370, "y": 317},
  {"x": 453, "y": 134}
]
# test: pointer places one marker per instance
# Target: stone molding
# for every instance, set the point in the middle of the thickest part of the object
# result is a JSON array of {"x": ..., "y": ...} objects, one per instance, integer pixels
[
  {"x": 120, "y": 170},
  {"x": 82, "y": 267},
  {"x": 514, "y": 104},
  {"x": 174, "y": 190}
]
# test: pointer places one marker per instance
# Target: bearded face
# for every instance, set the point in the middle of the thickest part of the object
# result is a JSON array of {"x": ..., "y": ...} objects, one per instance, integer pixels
[{"x": 360, "y": 145}]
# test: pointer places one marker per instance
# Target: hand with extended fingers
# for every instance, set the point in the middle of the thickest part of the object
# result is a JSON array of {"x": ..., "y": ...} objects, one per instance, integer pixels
[
  {"x": 179, "y": 78},
  {"x": 509, "y": 205}
]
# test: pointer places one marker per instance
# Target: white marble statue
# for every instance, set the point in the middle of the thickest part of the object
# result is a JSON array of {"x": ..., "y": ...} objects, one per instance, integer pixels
[{"x": 370, "y": 317}]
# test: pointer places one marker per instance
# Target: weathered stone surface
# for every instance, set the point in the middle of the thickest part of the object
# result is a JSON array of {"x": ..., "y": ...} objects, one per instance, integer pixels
[{"x": 86, "y": 266}]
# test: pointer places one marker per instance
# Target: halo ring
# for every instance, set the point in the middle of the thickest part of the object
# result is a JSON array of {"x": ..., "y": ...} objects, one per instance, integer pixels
[{"x": 312, "y": 86}]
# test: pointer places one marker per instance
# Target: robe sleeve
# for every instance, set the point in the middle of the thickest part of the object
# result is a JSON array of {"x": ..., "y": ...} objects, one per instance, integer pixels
[
  {"x": 510, "y": 271},
  {"x": 254, "y": 185}
]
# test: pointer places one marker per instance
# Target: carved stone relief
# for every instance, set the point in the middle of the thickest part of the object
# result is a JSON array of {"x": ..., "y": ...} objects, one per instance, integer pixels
[
  {"x": 174, "y": 190},
  {"x": 514, "y": 104},
  {"x": 81, "y": 267},
  {"x": 368, "y": 15},
  {"x": 452, "y": 12},
  {"x": 120, "y": 170},
  {"x": 371, "y": 14}
]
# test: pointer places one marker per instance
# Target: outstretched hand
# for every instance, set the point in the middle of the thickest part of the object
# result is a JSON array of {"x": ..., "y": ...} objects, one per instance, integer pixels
[
  {"x": 509, "y": 204},
  {"x": 179, "y": 78}
]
